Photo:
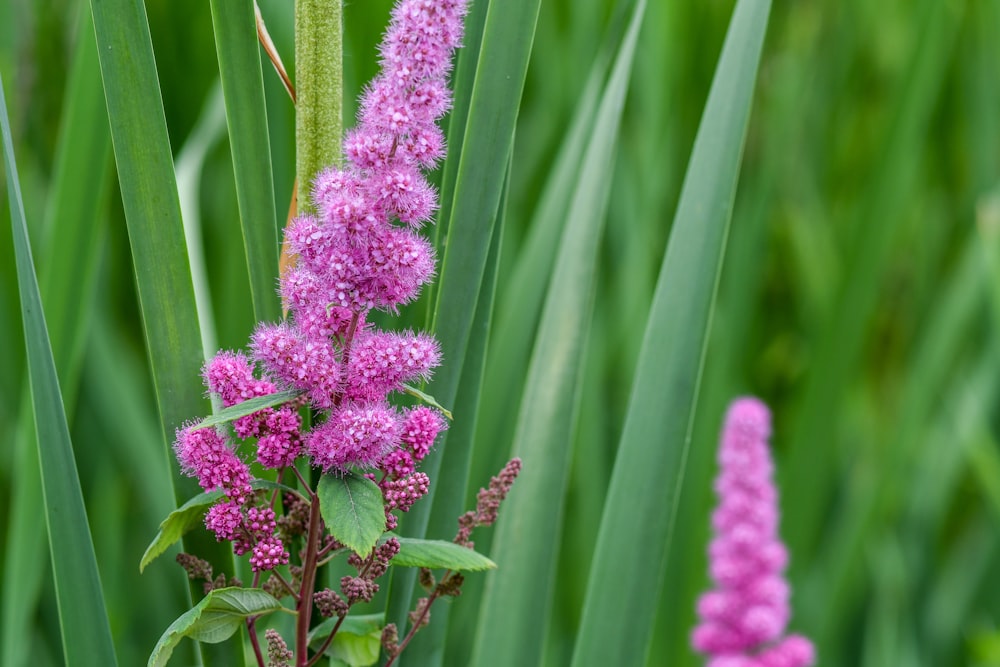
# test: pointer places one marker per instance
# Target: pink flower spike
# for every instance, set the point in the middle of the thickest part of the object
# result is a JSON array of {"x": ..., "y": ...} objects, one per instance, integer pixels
[{"x": 743, "y": 620}]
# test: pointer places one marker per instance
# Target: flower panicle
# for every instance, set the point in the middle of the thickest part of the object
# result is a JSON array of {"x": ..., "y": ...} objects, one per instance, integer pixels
[{"x": 743, "y": 619}]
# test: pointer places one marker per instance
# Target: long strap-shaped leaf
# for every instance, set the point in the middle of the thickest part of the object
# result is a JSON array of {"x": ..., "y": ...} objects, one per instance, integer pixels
[
  {"x": 83, "y": 619},
  {"x": 518, "y": 599},
  {"x": 489, "y": 131},
  {"x": 69, "y": 263},
  {"x": 156, "y": 235},
  {"x": 638, "y": 515},
  {"x": 246, "y": 113}
]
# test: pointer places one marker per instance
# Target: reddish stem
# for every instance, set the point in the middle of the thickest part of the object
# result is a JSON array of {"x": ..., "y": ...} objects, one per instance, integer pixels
[{"x": 305, "y": 604}]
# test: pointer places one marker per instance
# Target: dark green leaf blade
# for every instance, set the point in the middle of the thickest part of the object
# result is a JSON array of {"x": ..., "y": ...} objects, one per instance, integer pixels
[
  {"x": 639, "y": 512},
  {"x": 156, "y": 237},
  {"x": 352, "y": 508},
  {"x": 86, "y": 633},
  {"x": 216, "y": 618},
  {"x": 246, "y": 114},
  {"x": 518, "y": 599}
]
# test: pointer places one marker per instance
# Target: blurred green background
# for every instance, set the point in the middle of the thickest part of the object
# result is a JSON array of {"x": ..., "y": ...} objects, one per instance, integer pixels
[{"x": 860, "y": 297}]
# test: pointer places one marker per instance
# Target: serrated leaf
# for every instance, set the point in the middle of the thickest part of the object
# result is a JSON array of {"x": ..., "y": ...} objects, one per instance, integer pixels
[
  {"x": 352, "y": 508},
  {"x": 357, "y": 642},
  {"x": 214, "y": 619},
  {"x": 248, "y": 407},
  {"x": 189, "y": 515},
  {"x": 437, "y": 554}
]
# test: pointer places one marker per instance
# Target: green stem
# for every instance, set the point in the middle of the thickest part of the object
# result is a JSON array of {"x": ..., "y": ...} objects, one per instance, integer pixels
[{"x": 319, "y": 90}]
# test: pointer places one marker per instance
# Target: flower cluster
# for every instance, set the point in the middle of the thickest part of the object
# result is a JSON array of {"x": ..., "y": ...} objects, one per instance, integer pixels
[
  {"x": 352, "y": 257},
  {"x": 743, "y": 620}
]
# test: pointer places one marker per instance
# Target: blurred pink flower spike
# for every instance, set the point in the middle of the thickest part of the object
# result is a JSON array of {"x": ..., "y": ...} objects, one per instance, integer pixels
[{"x": 743, "y": 619}]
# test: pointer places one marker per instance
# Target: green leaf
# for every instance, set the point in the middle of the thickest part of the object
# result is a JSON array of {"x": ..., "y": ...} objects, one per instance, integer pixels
[
  {"x": 246, "y": 114},
  {"x": 248, "y": 407},
  {"x": 439, "y": 554},
  {"x": 188, "y": 516},
  {"x": 215, "y": 619},
  {"x": 518, "y": 599},
  {"x": 352, "y": 508},
  {"x": 639, "y": 512},
  {"x": 357, "y": 642},
  {"x": 83, "y": 620},
  {"x": 156, "y": 238},
  {"x": 68, "y": 265},
  {"x": 178, "y": 522},
  {"x": 428, "y": 399}
]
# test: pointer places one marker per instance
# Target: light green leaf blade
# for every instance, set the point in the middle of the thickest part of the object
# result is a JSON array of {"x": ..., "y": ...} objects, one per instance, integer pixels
[
  {"x": 352, "y": 508},
  {"x": 434, "y": 554},
  {"x": 518, "y": 597},
  {"x": 213, "y": 620},
  {"x": 83, "y": 620},
  {"x": 248, "y": 407},
  {"x": 246, "y": 114},
  {"x": 638, "y": 514}
]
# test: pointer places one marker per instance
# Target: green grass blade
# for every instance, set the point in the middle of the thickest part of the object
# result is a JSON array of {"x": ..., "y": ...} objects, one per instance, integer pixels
[
  {"x": 69, "y": 264},
  {"x": 503, "y": 61},
  {"x": 86, "y": 634},
  {"x": 518, "y": 597},
  {"x": 519, "y": 304},
  {"x": 636, "y": 526},
  {"x": 243, "y": 89},
  {"x": 66, "y": 282},
  {"x": 427, "y": 648},
  {"x": 156, "y": 235}
]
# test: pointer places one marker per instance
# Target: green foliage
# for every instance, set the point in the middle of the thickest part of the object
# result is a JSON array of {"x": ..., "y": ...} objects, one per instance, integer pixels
[
  {"x": 436, "y": 554},
  {"x": 83, "y": 619},
  {"x": 351, "y": 506},
  {"x": 357, "y": 642},
  {"x": 219, "y": 614},
  {"x": 247, "y": 407}
]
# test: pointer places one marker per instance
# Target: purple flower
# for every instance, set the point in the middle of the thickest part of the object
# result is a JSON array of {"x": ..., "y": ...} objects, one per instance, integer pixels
[
  {"x": 356, "y": 434},
  {"x": 204, "y": 454},
  {"x": 743, "y": 619}
]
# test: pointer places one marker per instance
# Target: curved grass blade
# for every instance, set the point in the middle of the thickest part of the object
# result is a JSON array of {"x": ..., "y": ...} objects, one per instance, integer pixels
[
  {"x": 619, "y": 611},
  {"x": 508, "y": 32},
  {"x": 518, "y": 598},
  {"x": 83, "y": 619},
  {"x": 156, "y": 235},
  {"x": 243, "y": 88},
  {"x": 69, "y": 265},
  {"x": 427, "y": 647}
]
